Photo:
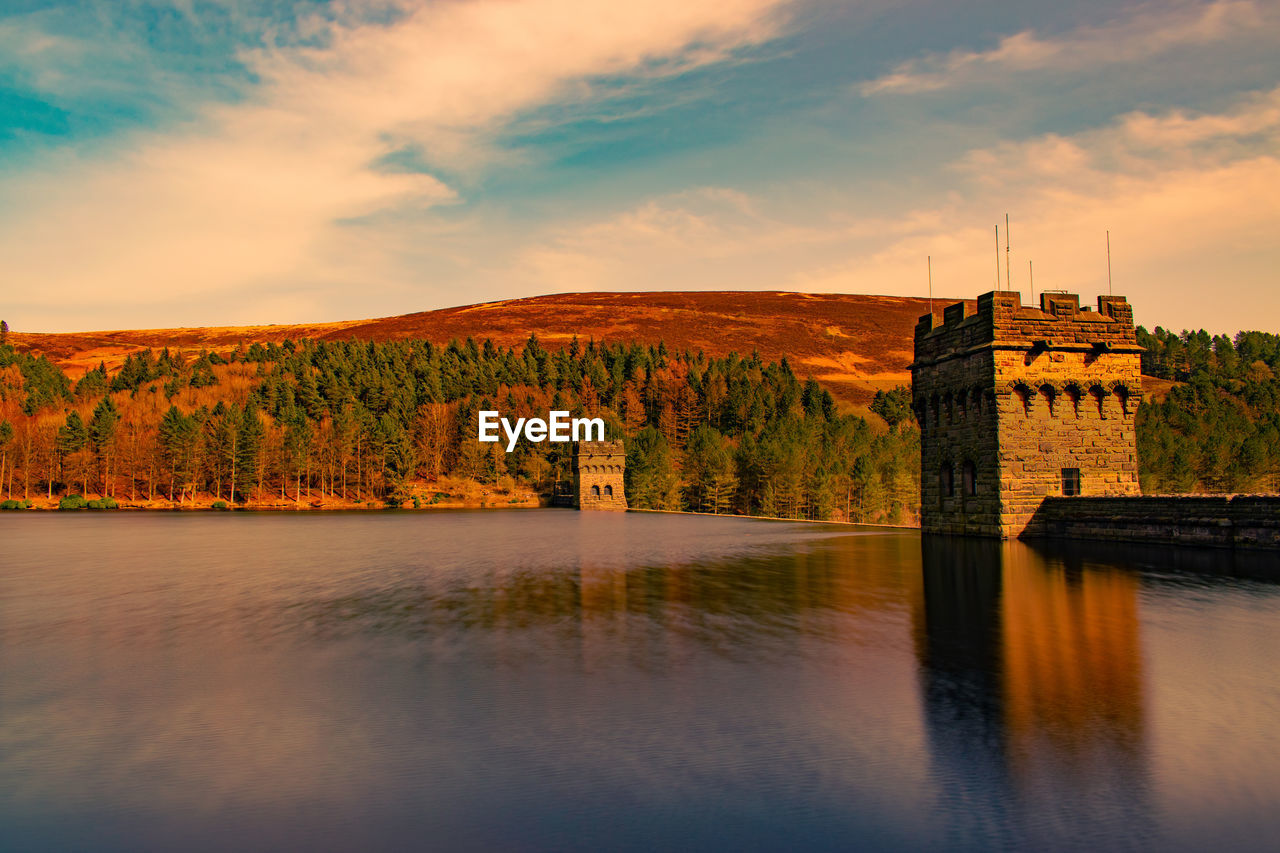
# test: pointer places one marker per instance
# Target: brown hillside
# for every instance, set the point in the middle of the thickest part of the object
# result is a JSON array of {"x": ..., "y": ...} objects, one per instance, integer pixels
[{"x": 853, "y": 344}]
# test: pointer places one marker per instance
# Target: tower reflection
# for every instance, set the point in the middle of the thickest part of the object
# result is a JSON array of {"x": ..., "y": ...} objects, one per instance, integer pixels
[{"x": 1031, "y": 668}]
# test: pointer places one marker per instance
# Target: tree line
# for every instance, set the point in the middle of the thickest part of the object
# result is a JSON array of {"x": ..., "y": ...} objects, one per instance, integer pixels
[
  {"x": 1219, "y": 429},
  {"x": 362, "y": 421},
  {"x": 309, "y": 421}
]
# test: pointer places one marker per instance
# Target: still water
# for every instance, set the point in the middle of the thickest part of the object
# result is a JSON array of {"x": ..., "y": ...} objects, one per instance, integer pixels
[{"x": 553, "y": 680}]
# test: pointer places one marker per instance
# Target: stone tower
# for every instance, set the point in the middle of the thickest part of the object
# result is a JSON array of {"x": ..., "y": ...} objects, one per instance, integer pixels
[
  {"x": 598, "y": 467},
  {"x": 1017, "y": 403}
]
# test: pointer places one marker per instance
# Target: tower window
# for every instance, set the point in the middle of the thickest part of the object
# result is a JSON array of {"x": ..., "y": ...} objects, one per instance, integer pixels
[
  {"x": 608, "y": 491},
  {"x": 969, "y": 479},
  {"x": 1050, "y": 394},
  {"x": 947, "y": 479},
  {"x": 1073, "y": 396},
  {"x": 1099, "y": 396},
  {"x": 1070, "y": 482},
  {"x": 1024, "y": 397},
  {"x": 595, "y": 491}
]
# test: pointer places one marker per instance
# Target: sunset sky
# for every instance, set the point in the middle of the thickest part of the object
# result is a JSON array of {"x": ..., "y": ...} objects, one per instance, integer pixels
[{"x": 229, "y": 162}]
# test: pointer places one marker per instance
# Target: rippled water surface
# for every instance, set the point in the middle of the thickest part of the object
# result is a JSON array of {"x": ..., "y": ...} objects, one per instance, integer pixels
[{"x": 553, "y": 680}]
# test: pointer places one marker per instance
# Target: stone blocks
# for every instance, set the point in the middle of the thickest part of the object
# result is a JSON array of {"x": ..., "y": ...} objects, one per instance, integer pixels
[
  {"x": 1011, "y": 398},
  {"x": 598, "y": 468}
]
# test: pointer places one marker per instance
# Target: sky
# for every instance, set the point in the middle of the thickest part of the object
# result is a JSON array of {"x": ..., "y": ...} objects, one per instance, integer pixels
[{"x": 231, "y": 162}]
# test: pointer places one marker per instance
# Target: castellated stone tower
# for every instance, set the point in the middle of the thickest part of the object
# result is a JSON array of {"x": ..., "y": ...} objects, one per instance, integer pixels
[
  {"x": 1017, "y": 403},
  {"x": 598, "y": 467}
]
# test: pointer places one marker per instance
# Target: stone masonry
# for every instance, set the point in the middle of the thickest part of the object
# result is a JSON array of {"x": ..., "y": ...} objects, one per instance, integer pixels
[
  {"x": 1017, "y": 403},
  {"x": 598, "y": 467}
]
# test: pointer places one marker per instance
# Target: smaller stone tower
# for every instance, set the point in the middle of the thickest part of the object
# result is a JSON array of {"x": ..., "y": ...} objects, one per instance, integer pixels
[
  {"x": 1017, "y": 403},
  {"x": 598, "y": 467}
]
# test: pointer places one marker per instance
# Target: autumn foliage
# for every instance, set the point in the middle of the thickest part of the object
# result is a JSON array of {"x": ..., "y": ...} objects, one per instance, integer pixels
[{"x": 346, "y": 422}]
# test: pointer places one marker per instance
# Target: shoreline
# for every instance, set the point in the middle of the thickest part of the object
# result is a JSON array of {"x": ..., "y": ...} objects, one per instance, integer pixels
[{"x": 534, "y": 502}]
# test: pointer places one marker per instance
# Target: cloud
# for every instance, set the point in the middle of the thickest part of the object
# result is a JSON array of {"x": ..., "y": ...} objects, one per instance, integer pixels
[
  {"x": 263, "y": 192},
  {"x": 1138, "y": 38},
  {"x": 1191, "y": 201},
  {"x": 700, "y": 238}
]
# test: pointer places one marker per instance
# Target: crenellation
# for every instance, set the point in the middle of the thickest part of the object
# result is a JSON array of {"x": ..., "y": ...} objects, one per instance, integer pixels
[
  {"x": 1017, "y": 403},
  {"x": 598, "y": 469}
]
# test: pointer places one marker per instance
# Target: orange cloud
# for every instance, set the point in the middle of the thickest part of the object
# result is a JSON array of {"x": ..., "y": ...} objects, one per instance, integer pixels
[
  {"x": 1191, "y": 202},
  {"x": 253, "y": 195}
]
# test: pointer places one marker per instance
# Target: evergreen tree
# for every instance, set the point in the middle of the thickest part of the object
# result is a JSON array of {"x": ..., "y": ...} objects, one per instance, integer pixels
[
  {"x": 709, "y": 473},
  {"x": 102, "y": 431},
  {"x": 202, "y": 375},
  {"x": 179, "y": 437},
  {"x": 651, "y": 480},
  {"x": 72, "y": 436},
  {"x": 248, "y": 450},
  {"x": 894, "y": 406}
]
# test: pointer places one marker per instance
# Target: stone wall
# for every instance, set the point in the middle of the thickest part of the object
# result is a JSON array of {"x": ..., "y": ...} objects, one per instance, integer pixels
[
  {"x": 956, "y": 409},
  {"x": 1243, "y": 521},
  {"x": 1064, "y": 409},
  {"x": 598, "y": 468},
  {"x": 1008, "y": 396}
]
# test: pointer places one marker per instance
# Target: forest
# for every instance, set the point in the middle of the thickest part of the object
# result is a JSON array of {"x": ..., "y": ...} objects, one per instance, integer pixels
[
  {"x": 340, "y": 423},
  {"x": 1218, "y": 429},
  {"x": 359, "y": 423}
]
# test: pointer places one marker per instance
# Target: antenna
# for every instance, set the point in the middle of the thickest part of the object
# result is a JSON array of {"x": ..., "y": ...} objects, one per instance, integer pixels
[
  {"x": 1108, "y": 263},
  {"x": 1008, "y": 285},
  {"x": 930, "y": 261},
  {"x": 997, "y": 257}
]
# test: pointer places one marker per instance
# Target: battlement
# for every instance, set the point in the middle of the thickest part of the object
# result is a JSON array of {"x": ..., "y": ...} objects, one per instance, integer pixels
[
  {"x": 598, "y": 473},
  {"x": 590, "y": 449},
  {"x": 1018, "y": 403},
  {"x": 999, "y": 320}
]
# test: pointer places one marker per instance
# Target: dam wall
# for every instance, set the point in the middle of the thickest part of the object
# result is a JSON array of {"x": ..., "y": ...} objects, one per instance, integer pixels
[{"x": 1223, "y": 521}]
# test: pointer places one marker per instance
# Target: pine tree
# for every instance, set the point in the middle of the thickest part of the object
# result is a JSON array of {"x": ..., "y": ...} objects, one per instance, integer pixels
[
  {"x": 248, "y": 451},
  {"x": 102, "y": 430},
  {"x": 73, "y": 435},
  {"x": 71, "y": 439},
  {"x": 178, "y": 438},
  {"x": 297, "y": 446},
  {"x": 650, "y": 475}
]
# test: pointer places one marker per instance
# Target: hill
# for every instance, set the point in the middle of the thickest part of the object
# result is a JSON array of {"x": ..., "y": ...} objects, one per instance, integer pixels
[{"x": 853, "y": 344}]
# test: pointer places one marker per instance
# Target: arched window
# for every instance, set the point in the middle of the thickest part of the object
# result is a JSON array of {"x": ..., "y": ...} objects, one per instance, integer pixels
[
  {"x": 977, "y": 400},
  {"x": 1049, "y": 394},
  {"x": 1122, "y": 394},
  {"x": 608, "y": 491},
  {"x": 1073, "y": 397},
  {"x": 969, "y": 478},
  {"x": 947, "y": 480},
  {"x": 595, "y": 491},
  {"x": 1023, "y": 393},
  {"x": 1100, "y": 396}
]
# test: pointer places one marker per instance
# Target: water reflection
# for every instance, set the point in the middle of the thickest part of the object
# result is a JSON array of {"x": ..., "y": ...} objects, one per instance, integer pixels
[
  {"x": 550, "y": 680},
  {"x": 1033, "y": 687}
]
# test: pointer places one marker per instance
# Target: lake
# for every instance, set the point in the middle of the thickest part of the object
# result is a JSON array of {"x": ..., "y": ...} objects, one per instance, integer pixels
[{"x": 555, "y": 680}]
